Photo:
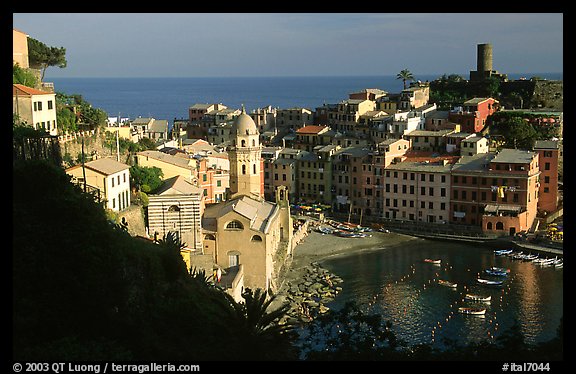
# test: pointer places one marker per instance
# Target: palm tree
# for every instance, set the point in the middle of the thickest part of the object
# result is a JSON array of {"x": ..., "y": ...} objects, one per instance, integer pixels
[
  {"x": 405, "y": 75},
  {"x": 263, "y": 333}
]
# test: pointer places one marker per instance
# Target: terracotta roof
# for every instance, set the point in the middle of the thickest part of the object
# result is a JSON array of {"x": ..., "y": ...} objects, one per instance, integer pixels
[
  {"x": 311, "y": 129},
  {"x": 105, "y": 166},
  {"x": 21, "y": 90}
]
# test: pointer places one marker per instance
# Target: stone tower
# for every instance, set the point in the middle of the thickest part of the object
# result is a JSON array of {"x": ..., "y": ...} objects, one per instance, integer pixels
[
  {"x": 484, "y": 68},
  {"x": 245, "y": 158},
  {"x": 484, "y": 58}
]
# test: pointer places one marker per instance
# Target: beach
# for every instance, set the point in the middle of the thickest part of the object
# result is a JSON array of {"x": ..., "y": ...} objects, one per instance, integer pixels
[{"x": 309, "y": 254}]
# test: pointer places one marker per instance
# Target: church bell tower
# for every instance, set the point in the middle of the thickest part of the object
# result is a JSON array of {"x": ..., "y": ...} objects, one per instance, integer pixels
[{"x": 245, "y": 158}]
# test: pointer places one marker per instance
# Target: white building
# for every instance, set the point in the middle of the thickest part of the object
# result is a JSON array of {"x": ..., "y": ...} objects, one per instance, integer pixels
[
  {"x": 36, "y": 108},
  {"x": 110, "y": 177}
]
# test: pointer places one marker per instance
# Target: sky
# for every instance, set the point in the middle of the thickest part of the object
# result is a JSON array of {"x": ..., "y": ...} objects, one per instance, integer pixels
[{"x": 294, "y": 44}]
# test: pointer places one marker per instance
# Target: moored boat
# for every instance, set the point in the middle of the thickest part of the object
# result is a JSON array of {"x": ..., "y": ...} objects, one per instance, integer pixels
[
  {"x": 506, "y": 270},
  {"x": 503, "y": 252},
  {"x": 497, "y": 273},
  {"x": 447, "y": 283},
  {"x": 433, "y": 261},
  {"x": 489, "y": 282},
  {"x": 473, "y": 297},
  {"x": 473, "y": 311}
]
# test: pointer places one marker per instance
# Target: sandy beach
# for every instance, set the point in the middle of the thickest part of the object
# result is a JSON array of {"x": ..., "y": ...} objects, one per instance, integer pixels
[{"x": 317, "y": 247}]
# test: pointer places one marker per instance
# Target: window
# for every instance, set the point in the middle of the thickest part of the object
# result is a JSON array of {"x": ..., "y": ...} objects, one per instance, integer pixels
[
  {"x": 254, "y": 169},
  {"x": 442, "y": 192},
  {"x": 233, "y": 258},
  {"x": 243, "y": 169},
  {"x": 39, "y": 105},
  {"x": 50, "y": 105},
  {"x": 547, "y": 166},
  {"x": 234, "y": 225},
  {"x": 256, "y": 238},
  {"x": 173, "y": 208},
  {"x": 112, "y": 181}
]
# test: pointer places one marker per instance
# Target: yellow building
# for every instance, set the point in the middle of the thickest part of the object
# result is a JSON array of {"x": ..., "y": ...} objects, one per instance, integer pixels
[
  {"x": 110, "y": 177},
  {"x": 248, "y": 232},
  {"x": 20, "y": 48},
  {"x": 171, "y": 166}
]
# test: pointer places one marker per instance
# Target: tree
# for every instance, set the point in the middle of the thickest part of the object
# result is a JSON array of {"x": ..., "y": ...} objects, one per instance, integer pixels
[
  {"x": 518, "y": 132},
  {"x": 260, "y": 329},
  {"x": 405, "y": 75},
  {"x": 145, "y": 178},
  {"x": 23, "y": 76},
  {"x": 41, "y": 56}
]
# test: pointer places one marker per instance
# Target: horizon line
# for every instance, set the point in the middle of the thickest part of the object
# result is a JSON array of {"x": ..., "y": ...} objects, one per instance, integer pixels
[{"x": 531, "y": 74}]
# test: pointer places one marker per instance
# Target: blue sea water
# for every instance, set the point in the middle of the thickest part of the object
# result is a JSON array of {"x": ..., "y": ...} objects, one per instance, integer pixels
[{"x": 170, "y": 98}]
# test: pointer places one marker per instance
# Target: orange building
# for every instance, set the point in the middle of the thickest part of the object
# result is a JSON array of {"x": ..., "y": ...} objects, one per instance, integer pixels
[
  {"x": 549, "y": 155},
  {"x": 497, "y": 191}
]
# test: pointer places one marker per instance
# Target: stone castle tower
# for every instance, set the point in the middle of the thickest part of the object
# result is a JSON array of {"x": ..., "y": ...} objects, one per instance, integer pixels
[{"x": 245, "y": 158}]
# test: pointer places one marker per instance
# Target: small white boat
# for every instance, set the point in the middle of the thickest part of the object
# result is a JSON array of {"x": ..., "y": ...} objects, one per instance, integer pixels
[
  {"x": 544, "y": 261},
  {"x": 489, "y": 282},
  {"x": 431, "y": 261},
  {"x": 502, "y": 270},
  {"x": 473, "y": 311},
  {"x": 447, "y": 283},
  {"x": 559, "y": 263},
  {"x": 473, "y": 297},
  {"x": 503, "y": 252}
]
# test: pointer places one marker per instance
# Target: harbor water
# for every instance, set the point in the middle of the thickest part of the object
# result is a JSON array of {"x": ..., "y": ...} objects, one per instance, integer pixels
[{"x": 397, "y": 283}]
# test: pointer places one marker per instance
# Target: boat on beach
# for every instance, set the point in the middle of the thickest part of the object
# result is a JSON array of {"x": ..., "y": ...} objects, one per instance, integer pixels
[
  {"x": 447, "y": 283},
  {"x": 472, "y": 311},
  {"x": 474, "y": 297},
  {"x": 433, "y": 261}
]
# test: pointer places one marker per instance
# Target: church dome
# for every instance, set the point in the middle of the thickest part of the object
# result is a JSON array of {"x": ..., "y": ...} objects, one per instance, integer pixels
[{"x": 244, "y": 125}]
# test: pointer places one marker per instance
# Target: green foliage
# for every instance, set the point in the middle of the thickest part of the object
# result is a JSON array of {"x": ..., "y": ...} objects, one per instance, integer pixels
[
  {"x": 144, "y": 178},
  {"x": 87, "y": 115},
  {"x": 405, "y": 75},
  {"x": 350, "y": 334},
  {"x": 520, "y": 130},
  {"x": 268, "y": 338},
  {"x": 66, "y": 119},
  {"x": 85, "y": 290},
  {"x": 41, "y": 56},
  {"x": 23, "y": 76}
]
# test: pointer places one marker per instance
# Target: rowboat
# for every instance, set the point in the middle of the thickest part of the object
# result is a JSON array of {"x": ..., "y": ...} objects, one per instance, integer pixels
[
  {"x": 325, "y": 230},
  {"x": 559, "y": 263},
  {"x": 489, "y": 282},
  {"x": 474, "y": 311},
  {"x": 496, "y": 273},
  {"x": 544, "y": 261},
  {"x": 431, "y": 261},
  {"x": 447, "y": 283},
  {"x": 506, "y": 270},
  {"x": 529, "y": 257},
  {"x": 502, "y": 252},
  {"x": 473, "y": 297}
]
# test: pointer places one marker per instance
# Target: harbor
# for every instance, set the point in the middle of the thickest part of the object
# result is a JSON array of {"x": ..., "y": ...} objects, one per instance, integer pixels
[{"x": 387, "y": 273}]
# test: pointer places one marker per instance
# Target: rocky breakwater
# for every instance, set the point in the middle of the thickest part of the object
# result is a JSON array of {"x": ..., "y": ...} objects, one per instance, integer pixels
[{"x": 308, "y": 298}]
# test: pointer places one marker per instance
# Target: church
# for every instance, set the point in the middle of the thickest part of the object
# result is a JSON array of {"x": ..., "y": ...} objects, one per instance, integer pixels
[{"x": 246, "y": 235}]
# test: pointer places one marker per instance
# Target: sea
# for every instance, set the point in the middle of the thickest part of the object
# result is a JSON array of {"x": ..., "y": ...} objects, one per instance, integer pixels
[
  {"x": 170, "y": 98},
  {"x": 394, "y": 282}
]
